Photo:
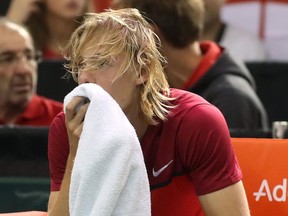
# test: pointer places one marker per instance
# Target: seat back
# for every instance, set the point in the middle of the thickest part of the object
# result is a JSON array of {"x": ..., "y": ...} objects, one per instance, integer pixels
[
  {"x": 51, "y": 83},
  {"x": 271, "y": 80},
  {"x": 246, "y": 133},
  {"x": 20, "y": 194},
  {"x": 24, "y": 169},
  {"x": 23, "y": 151}
]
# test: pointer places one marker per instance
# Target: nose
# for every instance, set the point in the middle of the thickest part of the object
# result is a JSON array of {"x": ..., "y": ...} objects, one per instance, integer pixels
[
  {"x": 85, "y": 77},
  {"x": 23, "y": 67}
]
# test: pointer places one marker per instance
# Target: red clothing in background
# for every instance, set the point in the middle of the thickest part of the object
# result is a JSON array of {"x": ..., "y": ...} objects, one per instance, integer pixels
[
  {"x": 211, "y": 52},
  {"x": 40, "y": 112},
  {"x": 101, "y": 5},
  {"x": 50, "y": 55}
]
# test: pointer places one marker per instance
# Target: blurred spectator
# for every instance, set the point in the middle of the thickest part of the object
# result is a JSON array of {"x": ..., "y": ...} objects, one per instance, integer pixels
[
  {"x": 101, "y": 5},
  {"x": 203, "y": 68},
  {"x": 50, "y": 22},
  {"x": 241, "y": 43},
  {"x": 19, "y": 105}
]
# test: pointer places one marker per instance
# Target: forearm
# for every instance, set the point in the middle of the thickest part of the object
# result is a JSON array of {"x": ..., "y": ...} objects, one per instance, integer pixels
[
  {"x": 230, "y": 201},
  {"x": 19, "y": 11},
  {"x": 60, "y": 206}
]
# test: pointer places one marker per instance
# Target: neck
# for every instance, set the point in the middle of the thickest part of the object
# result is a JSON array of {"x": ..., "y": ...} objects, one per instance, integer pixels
[
  {"x": 10, "y": 113},
  {"x": 212, "y": 30},
  {"x": 136, "y": 116},
  {"x": 139, "y": 124},
  {"x": 60, "y": 30},
  {"x": 181, "y": 63}
]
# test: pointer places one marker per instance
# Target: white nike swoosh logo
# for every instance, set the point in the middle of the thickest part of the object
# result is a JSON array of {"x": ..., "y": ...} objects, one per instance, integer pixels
[{"x": 157, "y": 173}]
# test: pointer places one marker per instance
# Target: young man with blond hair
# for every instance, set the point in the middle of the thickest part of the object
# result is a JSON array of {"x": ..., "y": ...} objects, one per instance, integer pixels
[
  {"x": 185, "y": 141},
  {"x": 19, "y": 103}
]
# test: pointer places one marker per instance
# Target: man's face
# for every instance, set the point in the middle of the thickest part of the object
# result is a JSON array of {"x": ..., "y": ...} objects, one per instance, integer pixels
[
  {"x": 17, "y": 67},
  {"x": 123, "y": 89},
  {"x": 68, "y": 9}
]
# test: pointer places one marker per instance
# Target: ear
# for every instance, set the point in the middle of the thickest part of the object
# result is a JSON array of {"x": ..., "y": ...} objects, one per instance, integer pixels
[{"x": 142, "y": 77}]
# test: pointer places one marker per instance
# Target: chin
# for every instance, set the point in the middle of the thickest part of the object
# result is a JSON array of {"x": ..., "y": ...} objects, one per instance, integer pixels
[
  {"x": 22, "y": 100},
  {"x": 70, "y": 14}
]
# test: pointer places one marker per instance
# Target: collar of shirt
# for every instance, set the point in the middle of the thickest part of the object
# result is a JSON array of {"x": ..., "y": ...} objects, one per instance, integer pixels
[
  {"x": 32, "y": 111},
  {"x": 211, "y": 51},
  {"x": 49, "y": 54}
]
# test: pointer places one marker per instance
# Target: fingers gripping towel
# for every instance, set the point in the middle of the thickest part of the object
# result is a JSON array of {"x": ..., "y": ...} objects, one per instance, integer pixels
[{"x": 109, "y": 175}]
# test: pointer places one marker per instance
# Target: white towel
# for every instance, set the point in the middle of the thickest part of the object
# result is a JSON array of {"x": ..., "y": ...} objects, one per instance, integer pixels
[{"x": 109, "y": 175}]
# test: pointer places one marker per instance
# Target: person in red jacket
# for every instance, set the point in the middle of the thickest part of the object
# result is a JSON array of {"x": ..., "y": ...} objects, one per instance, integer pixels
[
  {"x": 19, "y": 104},
  {"x": 190, "y": 163},
  {"x": 101, "y": 5}
]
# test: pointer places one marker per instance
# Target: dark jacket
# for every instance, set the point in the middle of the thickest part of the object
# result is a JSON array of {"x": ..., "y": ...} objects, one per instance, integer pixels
[{"x": 230, "y": 87}]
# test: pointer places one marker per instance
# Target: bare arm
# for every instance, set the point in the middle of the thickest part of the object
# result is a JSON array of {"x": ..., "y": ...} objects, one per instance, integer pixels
[
  {"x": 19, "y": 10},
  {"x": 59, "y": 201},
  {"x": 229, "y": 201}
]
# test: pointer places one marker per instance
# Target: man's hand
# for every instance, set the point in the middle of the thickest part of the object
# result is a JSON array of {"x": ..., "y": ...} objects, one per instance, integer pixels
[
  {"x": 59, "y": 200},
  {"x": 74, "y": 122}
]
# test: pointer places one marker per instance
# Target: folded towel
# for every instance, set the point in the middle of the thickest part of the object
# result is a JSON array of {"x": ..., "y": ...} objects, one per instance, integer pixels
[{"x": 109, "y": 175}]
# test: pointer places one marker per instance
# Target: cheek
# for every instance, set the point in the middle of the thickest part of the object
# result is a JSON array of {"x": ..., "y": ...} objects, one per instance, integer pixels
[
  {"x": 84, "y": 4},
  {"x": 64, "y": 9},
  {"x": 34, "y": 79},
  {"x": 5, "y": 77},
  {"x": 124, "y": 93},
  {"x": 118, "y": 93},
  {"x": 5, "y": 81},
  {"x": 54, "y": 5}
]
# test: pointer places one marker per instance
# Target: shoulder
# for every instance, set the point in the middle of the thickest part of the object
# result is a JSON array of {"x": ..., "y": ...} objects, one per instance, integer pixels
[
  {"x": 192, "y": 107},
  {"x": 58, "y": 128},
  {"x": 58, "y": 138},
  {"x": 43, "y": 99},
  {"x": 194, "y": 115},
  {"x": 185, "y": 100},
  {"x": 59, "y": 120},
  {"x": 199, "y": 132},
  {"x": 47, "y": 102}
]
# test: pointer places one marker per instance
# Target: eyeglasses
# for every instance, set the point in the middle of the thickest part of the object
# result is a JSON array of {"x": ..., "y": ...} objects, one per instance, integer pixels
[{"x": 11, "y": 59}]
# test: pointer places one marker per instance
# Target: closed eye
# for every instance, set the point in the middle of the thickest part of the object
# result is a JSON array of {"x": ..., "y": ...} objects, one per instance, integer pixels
[{"x": 103, "y": 64}]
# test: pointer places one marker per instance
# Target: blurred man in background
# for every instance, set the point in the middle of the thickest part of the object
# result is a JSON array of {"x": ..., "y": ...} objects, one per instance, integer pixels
[
  {"x": 19, "y": 104},
  {"x": 241, "y": 43}
]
